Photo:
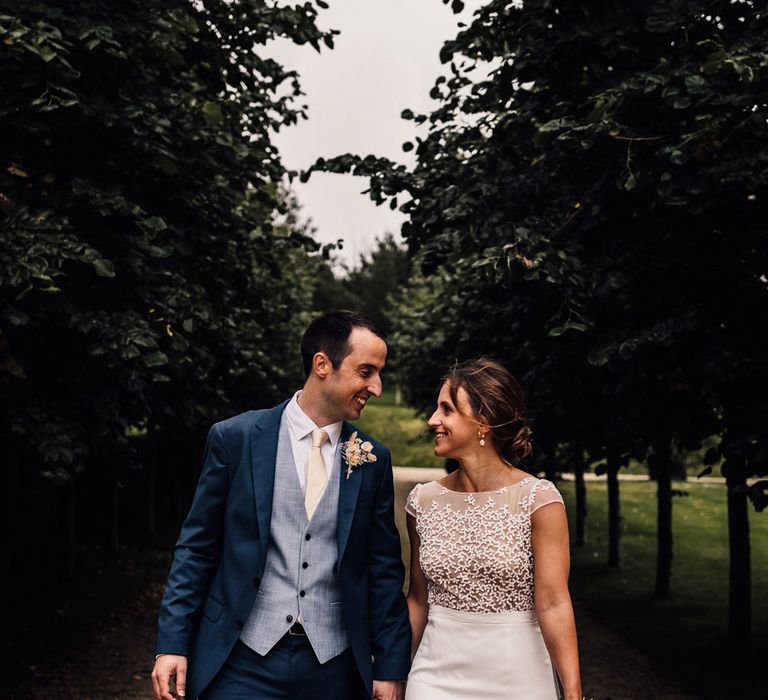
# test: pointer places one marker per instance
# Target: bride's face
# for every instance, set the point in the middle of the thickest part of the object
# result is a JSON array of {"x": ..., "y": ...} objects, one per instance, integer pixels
[{"x": 455, "y": 433}]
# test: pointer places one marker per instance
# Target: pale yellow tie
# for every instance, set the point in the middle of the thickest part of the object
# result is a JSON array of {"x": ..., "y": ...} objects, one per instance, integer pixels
[{"x": 317, "y": 476}]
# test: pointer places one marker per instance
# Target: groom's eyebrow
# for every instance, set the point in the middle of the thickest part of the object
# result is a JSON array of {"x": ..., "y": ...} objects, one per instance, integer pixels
[{"x": 367, "y": 365}]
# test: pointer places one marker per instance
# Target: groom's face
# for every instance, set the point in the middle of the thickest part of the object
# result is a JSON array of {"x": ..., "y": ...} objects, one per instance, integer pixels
[{"x": 349, "y": 386}]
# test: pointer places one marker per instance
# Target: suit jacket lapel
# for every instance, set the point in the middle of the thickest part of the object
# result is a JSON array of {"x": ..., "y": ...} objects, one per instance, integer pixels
[
  {"x": 348, "y": 492},
  {"x": 263, "y": 455}
]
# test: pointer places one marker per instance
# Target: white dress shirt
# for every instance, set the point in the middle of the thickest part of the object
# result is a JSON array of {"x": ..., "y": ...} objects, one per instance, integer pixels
[{"x": 300, "y": 427}]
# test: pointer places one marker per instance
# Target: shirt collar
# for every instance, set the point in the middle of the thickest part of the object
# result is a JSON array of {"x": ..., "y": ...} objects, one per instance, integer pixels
[{"x": 302, "y": 425}]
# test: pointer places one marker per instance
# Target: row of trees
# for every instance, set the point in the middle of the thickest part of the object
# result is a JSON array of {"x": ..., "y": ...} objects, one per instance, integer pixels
[
  {"x": 589, "y": 204},
  {"x": 150, "y": 272},
  {"x": 155, "y": 274}
]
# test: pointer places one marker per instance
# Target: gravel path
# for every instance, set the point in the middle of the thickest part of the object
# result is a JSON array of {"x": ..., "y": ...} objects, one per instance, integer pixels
[{"x": 108, "y": 654}]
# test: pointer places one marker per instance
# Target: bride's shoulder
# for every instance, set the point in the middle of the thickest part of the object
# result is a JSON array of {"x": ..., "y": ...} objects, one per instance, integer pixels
[
  {"x": 424, "y": 489},
  {"x": 420, "y": 494},
  {"x": 539, "y": 492}
]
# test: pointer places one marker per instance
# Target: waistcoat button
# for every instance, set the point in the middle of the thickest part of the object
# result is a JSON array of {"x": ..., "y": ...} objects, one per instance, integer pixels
[
  {"x": 304, "y": 565},
  {"x": 307, "y": 536},
  {"x": 289, "y": 618},
  {"x": 302, "y": 593}
]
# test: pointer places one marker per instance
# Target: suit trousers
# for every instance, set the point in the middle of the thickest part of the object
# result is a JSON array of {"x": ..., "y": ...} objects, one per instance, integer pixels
[{"x": 289, "y": 670}]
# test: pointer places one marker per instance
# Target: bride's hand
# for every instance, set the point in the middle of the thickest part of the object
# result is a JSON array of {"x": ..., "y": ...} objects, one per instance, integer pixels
[
  {"x": 388, "y": 690},
  {"x": 167, "y": 665}
]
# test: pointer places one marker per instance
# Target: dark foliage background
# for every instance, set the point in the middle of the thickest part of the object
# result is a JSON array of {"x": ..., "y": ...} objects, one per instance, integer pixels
[
  {"x": 589, "y": 205},
  {"x": 149, "y": 274}
]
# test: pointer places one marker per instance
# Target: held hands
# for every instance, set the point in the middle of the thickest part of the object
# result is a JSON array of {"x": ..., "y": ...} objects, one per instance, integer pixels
[
  {"x": 166, "y": 666},
  {"x": 388, "y": 690}
]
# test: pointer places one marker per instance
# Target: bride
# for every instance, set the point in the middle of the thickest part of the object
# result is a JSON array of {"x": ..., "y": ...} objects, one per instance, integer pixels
[{"x": 490, "y": 611}]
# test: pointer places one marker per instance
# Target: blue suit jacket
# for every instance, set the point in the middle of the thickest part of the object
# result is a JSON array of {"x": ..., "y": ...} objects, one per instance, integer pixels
[{"x": 220, "y": 555}]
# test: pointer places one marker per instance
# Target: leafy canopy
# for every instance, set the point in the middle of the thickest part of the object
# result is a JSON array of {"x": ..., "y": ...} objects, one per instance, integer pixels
[{"x": 141, "y": 276}]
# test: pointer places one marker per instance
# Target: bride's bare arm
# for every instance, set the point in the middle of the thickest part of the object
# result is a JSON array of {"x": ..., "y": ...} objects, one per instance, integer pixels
[
  {"x": 417, "y": 589},
  {"x": 551, "y": 563}
]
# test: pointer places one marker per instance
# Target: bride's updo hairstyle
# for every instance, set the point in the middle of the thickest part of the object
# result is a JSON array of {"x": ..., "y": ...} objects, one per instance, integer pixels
[{"x": 497, "y": 400}]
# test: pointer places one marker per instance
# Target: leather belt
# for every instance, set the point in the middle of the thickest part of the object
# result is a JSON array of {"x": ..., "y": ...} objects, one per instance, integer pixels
[{"x": 297, "y": 630}]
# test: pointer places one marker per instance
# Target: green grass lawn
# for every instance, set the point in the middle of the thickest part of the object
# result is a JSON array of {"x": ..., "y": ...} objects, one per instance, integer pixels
[
  {"x": 402, "y": 430},
  {"x": 686, "y": 633}
]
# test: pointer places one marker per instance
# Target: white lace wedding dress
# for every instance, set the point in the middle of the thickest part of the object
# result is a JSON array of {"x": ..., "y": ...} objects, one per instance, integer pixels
[{"x": 482, "y": 638}]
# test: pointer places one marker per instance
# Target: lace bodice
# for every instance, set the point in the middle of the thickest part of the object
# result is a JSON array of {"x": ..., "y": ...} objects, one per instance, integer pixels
[{"x": 475, "y": 548}]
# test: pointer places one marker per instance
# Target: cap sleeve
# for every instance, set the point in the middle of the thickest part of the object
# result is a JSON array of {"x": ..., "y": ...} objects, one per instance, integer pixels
[
  {"x": 412, "y": 502},
  {"x": 544, "y": 493}
]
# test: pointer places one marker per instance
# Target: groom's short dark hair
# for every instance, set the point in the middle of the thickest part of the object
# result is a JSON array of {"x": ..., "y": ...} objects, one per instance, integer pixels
[{"x": 329, "y": 333}]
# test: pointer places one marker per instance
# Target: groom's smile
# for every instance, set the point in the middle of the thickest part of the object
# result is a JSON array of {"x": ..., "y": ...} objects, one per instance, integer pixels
[{"x": 358, "y": 376}]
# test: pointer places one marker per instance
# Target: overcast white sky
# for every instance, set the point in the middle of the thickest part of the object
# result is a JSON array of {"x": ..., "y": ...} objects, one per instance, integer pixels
[{"x": 385, "y": 60}]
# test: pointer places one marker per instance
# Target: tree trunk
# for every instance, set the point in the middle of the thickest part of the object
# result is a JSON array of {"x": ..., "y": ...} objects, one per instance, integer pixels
[
  {"x": 581, "y": 499},
  {"x": 151, "y": 472},
  {"x": 740, "y": 593},
  {"x": 614, "y": 516},
  {"x": 663, "y": 475},
  {"x": 114, "y": 524},
  {"x": 550, "y": 467},
  {"x": 10, "y": 475},
  {"x": 14, "y": 539},
  {"x": 68, "y": 526}
]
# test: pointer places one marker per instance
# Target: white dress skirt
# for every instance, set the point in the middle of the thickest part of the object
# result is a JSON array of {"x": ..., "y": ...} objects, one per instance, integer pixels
[
  {"x": 481, "y": 655},
  {"x": 482, "y": 638}
]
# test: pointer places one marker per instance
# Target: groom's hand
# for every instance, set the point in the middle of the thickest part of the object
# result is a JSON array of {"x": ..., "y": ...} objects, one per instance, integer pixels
[
  {"x": 167, "y": 665},
  {"x": 388, "y": 690}
]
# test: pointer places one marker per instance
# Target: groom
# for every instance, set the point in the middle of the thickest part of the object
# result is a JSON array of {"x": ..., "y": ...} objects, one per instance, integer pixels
[{"x": 287, "y": 579}]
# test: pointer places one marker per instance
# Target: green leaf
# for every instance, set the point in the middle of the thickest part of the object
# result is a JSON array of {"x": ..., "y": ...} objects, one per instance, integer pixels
[
  {"x": 156, "y": 359},
  {"x": 104, "y": 268},
  {"x": 155, "y": 223},
  {"x": 568, "y": 326},
  {"x": 597, "y": 111},
  {"x": 555, "y": 125},
  {"x": 212, "y": 113},
  {"x": 187, "y": 22},
  {"x": 46, "y": 53},
  {"x": 678, "y": 157},
  {"x": 598, "y": 357},
  {"x": 16, "y": 317}
]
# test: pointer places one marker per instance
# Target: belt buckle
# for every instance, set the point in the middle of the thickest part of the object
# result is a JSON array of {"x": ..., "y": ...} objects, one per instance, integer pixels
[{"x": 292, "y": 633}]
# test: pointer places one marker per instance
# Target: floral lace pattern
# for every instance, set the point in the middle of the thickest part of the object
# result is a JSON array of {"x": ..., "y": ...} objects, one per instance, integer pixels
[{"x": 475, "y": 548}]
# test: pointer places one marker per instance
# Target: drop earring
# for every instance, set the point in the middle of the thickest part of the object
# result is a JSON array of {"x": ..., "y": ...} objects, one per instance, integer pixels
[{"x": 481, "y": 435}]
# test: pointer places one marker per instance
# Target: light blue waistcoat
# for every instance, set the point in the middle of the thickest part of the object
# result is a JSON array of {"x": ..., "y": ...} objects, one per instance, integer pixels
[{"x": 301, "y": 557}]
